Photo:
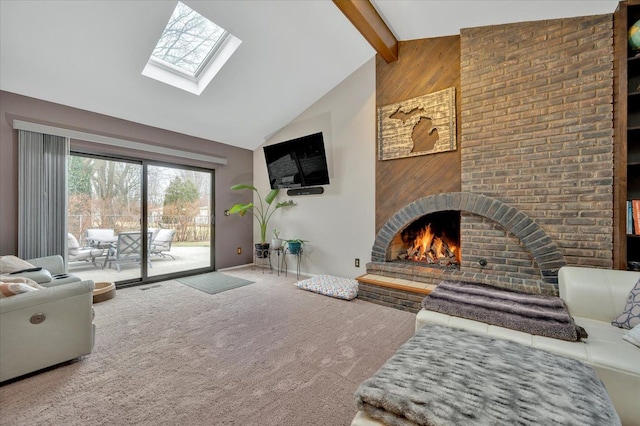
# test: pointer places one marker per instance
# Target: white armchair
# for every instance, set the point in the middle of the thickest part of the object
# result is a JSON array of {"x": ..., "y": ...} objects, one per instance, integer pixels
[{"x": 45, "y": 327}]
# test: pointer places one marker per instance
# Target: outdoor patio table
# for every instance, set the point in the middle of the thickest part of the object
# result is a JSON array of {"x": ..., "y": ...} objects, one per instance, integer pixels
[{"x": 105, "y": 243}]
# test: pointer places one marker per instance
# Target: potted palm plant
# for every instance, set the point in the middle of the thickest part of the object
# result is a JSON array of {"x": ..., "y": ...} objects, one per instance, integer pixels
[{"x": 262, "y": 212}]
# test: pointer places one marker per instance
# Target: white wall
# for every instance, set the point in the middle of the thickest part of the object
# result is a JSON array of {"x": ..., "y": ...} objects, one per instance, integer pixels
[{"x": 339, "y": 224}]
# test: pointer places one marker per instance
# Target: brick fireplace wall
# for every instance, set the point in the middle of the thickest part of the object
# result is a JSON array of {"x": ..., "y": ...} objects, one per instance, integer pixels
[{"x": 537, "y": 134}]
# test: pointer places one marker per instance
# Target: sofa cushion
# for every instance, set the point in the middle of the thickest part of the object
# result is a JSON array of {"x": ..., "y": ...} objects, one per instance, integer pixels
[
  {"x": 605, "y": 340},
  {"x": 630, "y": 317},
  {"x": 9, "y": 264},
  {"x": 72, "y": 244},
  {"x": 633, "y": 336},
  {"x": 599, "y": 294}
]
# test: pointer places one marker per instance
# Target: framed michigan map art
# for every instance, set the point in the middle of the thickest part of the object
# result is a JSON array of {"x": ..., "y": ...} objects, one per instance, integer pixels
[{"x": 418, "y": 126}]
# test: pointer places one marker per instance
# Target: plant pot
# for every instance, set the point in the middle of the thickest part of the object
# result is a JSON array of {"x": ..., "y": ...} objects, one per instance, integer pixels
[
  {"x": 294, "y": 248},
  {"x": 262, "y": 250},
  {"x": 276, "y": 243}
]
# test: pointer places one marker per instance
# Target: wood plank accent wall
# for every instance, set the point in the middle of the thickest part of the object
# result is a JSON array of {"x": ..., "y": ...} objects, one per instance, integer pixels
[{"x": 424, "y": 66}]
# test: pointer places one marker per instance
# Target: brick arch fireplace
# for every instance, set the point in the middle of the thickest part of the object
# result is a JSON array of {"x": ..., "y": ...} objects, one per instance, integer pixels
[{"x": 535, "y": 241}]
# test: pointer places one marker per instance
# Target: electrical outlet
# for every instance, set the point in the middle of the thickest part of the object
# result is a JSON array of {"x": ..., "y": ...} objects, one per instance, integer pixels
[
  {"x": 357, "y": 263},
  {"x": 239, "y": 250}
]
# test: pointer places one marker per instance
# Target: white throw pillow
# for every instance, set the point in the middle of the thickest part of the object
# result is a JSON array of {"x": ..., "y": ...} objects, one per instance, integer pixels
[
  {"x": 630, "y": 317},
  {"x": 18, "y": 279},
  {"x": 72, "y": 244},
  {"x": 633, "y": 336},
  {"x": 8, "y": 289},
  {"x": 9, "y": 264}
]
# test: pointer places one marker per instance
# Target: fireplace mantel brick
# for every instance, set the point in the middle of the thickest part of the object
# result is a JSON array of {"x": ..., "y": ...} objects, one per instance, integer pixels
[
  {"x": 543, "y": 250},
  {"x": 537, "y": 134}
]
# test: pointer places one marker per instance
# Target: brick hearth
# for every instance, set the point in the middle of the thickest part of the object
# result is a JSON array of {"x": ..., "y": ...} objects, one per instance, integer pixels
[{"x": 393, "y": 292}]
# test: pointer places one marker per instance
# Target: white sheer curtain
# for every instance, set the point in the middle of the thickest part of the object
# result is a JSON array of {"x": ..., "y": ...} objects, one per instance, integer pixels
[{"x": 42, "y": 189}]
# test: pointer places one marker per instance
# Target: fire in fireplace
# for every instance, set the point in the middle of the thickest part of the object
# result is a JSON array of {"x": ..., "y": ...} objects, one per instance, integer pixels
[{"x": 433, "y": 239}]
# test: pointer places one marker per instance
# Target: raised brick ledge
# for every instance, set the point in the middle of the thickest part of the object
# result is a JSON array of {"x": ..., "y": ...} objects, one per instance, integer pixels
[
  {"x": 396, "y": 283},
  {"x": 433, "y": 276}
]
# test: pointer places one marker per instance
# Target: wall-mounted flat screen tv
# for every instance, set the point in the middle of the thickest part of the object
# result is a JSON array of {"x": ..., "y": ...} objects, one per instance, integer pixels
[{"x": 297, "y": 163}]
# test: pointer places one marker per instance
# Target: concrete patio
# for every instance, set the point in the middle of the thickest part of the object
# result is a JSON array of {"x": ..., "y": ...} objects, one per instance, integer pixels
[{"x": 186, "y": 258}]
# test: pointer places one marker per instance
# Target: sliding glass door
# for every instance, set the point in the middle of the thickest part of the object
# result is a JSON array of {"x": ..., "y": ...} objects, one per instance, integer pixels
[
  {"x": 104, "y": 218},
  {"x": 131, "y": 221},
  {"x": 179, "y": 215}
]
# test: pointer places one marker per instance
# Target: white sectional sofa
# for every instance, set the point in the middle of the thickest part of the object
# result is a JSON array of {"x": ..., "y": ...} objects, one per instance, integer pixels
[
  {"x": 46, "y": 327},
  {"x": 594, "y": 298}
]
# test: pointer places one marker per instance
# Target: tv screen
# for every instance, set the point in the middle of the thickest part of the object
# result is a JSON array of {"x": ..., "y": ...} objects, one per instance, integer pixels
[{"x": 297, "y": 163}]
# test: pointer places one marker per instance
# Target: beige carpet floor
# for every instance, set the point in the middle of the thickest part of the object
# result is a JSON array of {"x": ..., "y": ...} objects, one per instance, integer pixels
[{"x": 167, "y": 354}]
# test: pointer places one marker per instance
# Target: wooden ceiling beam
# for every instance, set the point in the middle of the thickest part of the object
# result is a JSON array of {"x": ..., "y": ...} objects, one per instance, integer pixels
[{"x": 366, "y": 19}]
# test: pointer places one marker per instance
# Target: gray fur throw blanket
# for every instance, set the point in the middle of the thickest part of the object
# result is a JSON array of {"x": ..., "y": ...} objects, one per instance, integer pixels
[
  {"x": 534, "y": 314},
  {"x": 447, "y": 376}
]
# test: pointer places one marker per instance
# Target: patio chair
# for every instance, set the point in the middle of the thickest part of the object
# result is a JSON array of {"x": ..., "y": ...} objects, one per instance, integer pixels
[
  {"x": 127, "y": 249},
  {"x": 75, "y": 253},
  {"x": 162, "y": 243}
]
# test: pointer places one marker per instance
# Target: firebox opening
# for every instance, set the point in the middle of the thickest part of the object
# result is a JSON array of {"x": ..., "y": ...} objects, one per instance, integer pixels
[{"x": 433, "y": 239}]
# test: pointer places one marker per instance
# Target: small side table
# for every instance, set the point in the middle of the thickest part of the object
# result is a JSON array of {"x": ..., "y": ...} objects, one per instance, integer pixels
[
  {"x": 279, "y": 251},
  {"x": 298, "y": 256}
]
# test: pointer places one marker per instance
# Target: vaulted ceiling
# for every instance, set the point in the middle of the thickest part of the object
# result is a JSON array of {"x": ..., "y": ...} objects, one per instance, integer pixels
[{"x": 90, "y": 55}]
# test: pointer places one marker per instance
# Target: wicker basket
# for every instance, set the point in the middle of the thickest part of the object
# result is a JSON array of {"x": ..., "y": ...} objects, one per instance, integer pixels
[{"x": 103, "y": 291}]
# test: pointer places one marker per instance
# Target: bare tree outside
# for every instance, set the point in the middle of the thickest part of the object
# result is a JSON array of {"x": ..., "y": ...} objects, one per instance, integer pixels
[
  {"x": 107, "y": 194},
  {"x": 117, "y": 192},
  {"x": 103, "y": 194},
  {"x": 185, "y": 204},
  {"x": 188, "y": 39}
]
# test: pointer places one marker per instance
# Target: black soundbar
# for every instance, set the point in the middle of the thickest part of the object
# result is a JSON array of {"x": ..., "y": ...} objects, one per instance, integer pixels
[{"x": 305, "y": 191}]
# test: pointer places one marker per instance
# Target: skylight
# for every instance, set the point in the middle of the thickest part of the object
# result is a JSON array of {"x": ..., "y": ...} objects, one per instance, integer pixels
[{"x": 190, "y": 51}]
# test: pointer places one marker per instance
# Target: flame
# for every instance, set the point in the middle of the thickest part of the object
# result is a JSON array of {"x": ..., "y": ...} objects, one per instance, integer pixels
[
  {"x": 455, "y": 251},
  {"x": 437, "y": 248},
  {"x": 428, "y": 246},
  {"x": 423, "y": 241}
]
